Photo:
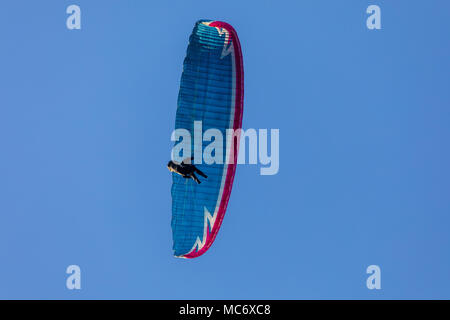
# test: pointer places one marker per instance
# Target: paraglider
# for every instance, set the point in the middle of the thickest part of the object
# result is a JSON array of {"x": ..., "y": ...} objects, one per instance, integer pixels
[{"x": 211, "y": 93}]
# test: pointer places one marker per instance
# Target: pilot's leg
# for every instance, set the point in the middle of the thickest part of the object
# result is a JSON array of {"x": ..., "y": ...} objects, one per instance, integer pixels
[
  {"x": 194, "y": 177},
  {"x": 200, "y": 173}
]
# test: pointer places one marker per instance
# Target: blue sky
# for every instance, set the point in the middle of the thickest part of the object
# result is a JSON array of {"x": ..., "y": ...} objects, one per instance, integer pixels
[{"x": 85, "y": 123}]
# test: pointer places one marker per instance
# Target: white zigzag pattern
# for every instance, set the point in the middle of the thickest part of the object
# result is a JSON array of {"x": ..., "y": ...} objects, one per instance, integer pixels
[{"x": 209, "y": 220}]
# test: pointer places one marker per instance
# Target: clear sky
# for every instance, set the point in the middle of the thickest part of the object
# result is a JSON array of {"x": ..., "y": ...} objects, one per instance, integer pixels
[{"x": 85, "y": 123}]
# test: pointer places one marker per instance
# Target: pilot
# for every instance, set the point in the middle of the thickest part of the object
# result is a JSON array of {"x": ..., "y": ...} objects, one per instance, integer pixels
[{"x": 186, "y": 170}]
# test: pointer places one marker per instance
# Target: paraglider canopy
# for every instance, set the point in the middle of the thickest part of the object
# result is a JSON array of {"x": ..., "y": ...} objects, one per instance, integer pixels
[{"x": 210, "y": 100}]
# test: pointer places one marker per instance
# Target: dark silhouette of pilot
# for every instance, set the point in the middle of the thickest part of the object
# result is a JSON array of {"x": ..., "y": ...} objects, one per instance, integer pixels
[{"x": 186, "y": 170}]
